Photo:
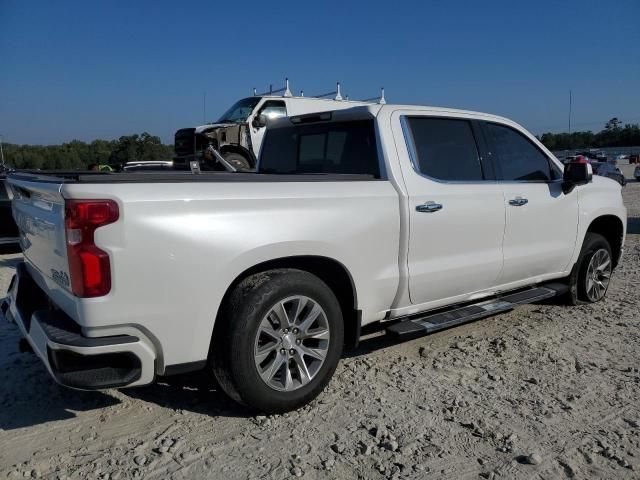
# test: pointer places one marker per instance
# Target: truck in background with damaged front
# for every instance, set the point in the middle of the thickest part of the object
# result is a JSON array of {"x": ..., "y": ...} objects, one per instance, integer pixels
[{"x": 237, "y": 136}]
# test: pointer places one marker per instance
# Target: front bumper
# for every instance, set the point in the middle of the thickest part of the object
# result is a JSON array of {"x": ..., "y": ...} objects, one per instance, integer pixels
[{"x": 75, "y": 360}]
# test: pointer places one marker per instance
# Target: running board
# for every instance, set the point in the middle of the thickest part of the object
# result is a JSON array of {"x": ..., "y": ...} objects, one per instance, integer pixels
[{"x": 423, "y": 325}]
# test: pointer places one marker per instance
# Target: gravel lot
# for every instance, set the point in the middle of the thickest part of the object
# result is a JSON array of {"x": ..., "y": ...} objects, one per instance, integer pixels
[{"x": 546, "y": 391}]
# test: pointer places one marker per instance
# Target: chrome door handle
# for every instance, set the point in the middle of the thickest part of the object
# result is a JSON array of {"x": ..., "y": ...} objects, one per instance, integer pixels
[
  {"x": 429, "y": 207},
  {"x": 518, "y": 201}
]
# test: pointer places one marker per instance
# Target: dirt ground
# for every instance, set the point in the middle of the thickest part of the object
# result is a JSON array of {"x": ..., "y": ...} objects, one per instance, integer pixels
[{"x": 546, "y": 391}]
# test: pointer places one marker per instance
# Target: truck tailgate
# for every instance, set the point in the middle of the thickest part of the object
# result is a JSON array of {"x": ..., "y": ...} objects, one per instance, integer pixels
[{"x": 38, "y": 208}]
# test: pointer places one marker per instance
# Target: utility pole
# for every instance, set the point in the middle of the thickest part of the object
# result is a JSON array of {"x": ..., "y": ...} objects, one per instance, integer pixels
[
  {"x": 570, "y": 106},
  {"x": 204, "y": 107}
]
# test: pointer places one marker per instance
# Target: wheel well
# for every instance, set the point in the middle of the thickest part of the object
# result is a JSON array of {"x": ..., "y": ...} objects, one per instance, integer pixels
[
  {"x": 331, "y": 272},
  {"x": 242, "y": 151},
  {"x": 611, "y": 228}
]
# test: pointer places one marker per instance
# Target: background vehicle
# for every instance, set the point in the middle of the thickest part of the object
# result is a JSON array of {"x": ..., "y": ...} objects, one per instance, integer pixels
[
  {"x": 380, "y": 213},
  {"x": 147, "y": 166},
  {"x": 610, "y": 171},
  {"x": 8, "y": 228},
  {"x": 238, "y": 134},
  {"x": 636, "y": 173}
]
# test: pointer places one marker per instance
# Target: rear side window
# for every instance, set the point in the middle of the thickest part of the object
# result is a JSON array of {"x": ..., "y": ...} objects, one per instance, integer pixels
[
  {"x": 445, "y": 149},
  {"x": 332, "y": 147},
  {"x": 517, "y": 158}
]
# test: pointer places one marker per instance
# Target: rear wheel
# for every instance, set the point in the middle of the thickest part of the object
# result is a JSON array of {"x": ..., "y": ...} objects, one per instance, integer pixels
[
  {"x": 592, "y": 274},
  {"x": 279, "y": 340}
]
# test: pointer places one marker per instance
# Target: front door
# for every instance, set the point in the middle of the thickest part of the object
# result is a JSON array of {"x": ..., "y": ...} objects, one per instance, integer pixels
[
  {"x": 270, "y": 109},
  {"x": 542, "y": 221},
  {"x": 456, "y": 210}
]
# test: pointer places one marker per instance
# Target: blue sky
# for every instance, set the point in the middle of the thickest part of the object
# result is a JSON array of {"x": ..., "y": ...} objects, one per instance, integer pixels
[{"x": 101, "y": 69}]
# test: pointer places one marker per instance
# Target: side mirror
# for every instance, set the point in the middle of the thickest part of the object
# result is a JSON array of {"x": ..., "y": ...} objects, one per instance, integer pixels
[
  {"x": 260, "y": 121},
  {"x": 576, "y": 173}
]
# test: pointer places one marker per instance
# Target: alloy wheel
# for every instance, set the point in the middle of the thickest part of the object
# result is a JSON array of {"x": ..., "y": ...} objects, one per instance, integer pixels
[
  {"x": 598, "y": 275},
  {"x": 292, "y": 343}
]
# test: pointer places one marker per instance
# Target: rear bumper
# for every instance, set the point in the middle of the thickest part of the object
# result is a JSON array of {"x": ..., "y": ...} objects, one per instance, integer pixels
[{"x": 74, "y": 360}]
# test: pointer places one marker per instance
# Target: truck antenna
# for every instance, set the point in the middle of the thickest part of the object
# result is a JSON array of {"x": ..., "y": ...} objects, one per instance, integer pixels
[
  {"x": 382, "y": 100},
  {"x": 302, "y": 93},
  {"x": 204, "y": 107},
  {"x": 255, "y": 92},
  {"x": 338, "y": 94}
]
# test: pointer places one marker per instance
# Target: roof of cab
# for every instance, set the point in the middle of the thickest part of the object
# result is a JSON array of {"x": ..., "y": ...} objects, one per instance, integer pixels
[{"x": 374, "y": 109}]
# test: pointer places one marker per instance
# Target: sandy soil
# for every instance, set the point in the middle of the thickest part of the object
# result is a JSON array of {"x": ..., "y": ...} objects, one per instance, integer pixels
[{"x": 547, "y": 391}]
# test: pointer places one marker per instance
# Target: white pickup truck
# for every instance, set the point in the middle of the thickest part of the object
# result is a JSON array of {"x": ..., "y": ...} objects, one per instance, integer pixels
[{"x": 418, "y": 217}]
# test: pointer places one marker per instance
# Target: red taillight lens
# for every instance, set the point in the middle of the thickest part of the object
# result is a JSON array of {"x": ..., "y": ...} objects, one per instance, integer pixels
[{"x": 89, "y": 266}]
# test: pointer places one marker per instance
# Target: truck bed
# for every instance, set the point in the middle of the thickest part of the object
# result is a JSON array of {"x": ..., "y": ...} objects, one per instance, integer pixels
[{"x": 71, "y": 177}]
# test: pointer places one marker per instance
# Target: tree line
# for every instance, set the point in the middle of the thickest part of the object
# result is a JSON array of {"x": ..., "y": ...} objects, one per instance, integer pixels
[
  {"x": 77, "y": 155},
  {"x": 614, "y": 134}
]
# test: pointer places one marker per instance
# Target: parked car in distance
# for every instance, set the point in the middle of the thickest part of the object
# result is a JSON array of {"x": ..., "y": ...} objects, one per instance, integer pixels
[
  {"x": 419, "y": 218},
  {"x": 610, "y": 171},
  {"x": 8, "y": 228},
  {"x": 636, "y": 173}
]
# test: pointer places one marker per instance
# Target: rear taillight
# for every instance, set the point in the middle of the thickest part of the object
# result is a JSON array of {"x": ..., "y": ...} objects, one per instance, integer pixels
[{"x": 89, "y": 266}]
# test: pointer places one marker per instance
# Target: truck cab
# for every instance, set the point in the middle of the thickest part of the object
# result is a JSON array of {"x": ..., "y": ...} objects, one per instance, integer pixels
[{"x": 238, "y": 133}]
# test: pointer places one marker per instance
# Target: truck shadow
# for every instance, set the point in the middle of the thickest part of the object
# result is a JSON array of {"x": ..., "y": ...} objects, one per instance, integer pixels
[
  {"x": 196, "y": 392},
  {"x": 28, "y": 395}
]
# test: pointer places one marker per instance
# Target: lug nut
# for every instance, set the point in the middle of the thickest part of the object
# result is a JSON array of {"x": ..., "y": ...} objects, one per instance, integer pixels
[
  {"x": 283, "y": 351},
  {"x": 295, "y": 330},
  {"x": 286, "y": 330},
  {"x": 292, "y": 352},
  {"x": 298, "y": 342}
]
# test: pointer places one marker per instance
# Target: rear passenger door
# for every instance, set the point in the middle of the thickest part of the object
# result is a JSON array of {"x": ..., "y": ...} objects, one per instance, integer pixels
[
  {"x": 456, "y": 210},
  {"x": 541, "y": 221}
]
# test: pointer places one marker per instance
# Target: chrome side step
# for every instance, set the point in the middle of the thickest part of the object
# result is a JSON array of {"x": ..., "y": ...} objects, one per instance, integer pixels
[{"x": 425, "y": 324}]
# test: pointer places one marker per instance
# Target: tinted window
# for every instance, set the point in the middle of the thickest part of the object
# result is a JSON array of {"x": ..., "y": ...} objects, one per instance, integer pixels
[
  {"x": 517, "y": 157},
  {"x": 332, "y": 147},
  {"x": 445, "y": 149}
]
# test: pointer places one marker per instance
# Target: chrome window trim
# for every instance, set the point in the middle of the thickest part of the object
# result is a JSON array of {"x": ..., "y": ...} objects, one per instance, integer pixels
[{"x": 413, "y": 155}]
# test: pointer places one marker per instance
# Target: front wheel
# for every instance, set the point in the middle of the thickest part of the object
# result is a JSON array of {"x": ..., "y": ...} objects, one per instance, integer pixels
[
  {"x": 279, "y": 340},
  {"x": 240, "y": 162},
  {"x": 590, "y": 279}
]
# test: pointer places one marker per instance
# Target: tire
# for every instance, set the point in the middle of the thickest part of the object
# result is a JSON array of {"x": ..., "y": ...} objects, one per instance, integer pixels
[
  {"x": 240, "y": 340},
  {"x": 583, "y": 276},
  {"x": 239, "y": 161}
]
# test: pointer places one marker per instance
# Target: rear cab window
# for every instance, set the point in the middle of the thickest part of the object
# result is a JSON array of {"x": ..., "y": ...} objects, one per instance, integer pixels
[{"x": 340, "y": 147}]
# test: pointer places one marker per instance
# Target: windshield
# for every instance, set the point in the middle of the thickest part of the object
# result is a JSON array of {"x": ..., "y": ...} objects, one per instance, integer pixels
[{"x": 240, "y": 111}]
